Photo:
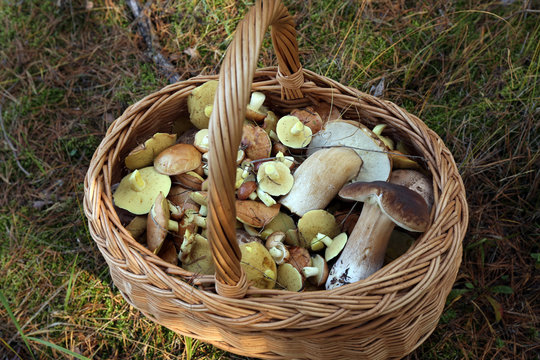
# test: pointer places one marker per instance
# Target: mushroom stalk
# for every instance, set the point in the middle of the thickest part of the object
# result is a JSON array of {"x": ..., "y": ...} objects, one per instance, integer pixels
[
  {"x": 318, "y": 179},
  {"x": 364, "y": 252},
  {"x": 310, "y": 271},
  {"x": 136, "y": 181}
]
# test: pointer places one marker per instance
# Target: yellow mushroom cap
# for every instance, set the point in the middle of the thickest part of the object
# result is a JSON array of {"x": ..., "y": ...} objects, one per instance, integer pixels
[
  {"x": 275, "y": 178},
  {"x": 314, "y": 222},
  {"x": 258, "y": 265},
  {"x": 139, "y": 189},
  {"x": 292, "y": 133},
  {"x": 144, "y": 154}
]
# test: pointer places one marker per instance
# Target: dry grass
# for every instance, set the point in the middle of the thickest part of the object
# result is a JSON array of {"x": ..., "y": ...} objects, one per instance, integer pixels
[{"x": 68, "y": 68}]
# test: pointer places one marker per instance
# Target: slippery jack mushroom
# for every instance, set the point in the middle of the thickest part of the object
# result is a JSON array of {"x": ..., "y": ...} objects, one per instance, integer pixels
[
  {"x": 314, "y": 222},
  {"x": 196, "y": 255},
  {"x": 276, "y": 248},
  {"x": 139, "y": 189},
  {"x": 317, "y": 273},
  {"x": 200, "y": 103},
  {"x": 275, "y": 178},
  {"x": 143, "y": 155},
  {"x": 159, "y": 223},
  {"x": 258, "y": 265},
  {"x": 292, "y": 133},
  {"x": 178, "y": 159},
  {"x": 385, "y": 205},
  {"x": 333, "y": 246}
]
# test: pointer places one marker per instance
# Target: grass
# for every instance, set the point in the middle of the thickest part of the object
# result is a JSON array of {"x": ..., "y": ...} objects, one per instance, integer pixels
[{"x": 469, "y": 69}]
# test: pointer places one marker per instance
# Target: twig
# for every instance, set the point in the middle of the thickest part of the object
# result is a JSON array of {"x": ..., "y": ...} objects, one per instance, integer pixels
[
  {"x": 145, "y": 30},
  {"x": 11, "y": 146}
]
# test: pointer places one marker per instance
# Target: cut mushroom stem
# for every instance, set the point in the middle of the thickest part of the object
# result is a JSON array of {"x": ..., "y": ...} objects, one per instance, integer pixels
[
  {"x": 136, "y": 181},
  {"x": 385, "y": 205}
]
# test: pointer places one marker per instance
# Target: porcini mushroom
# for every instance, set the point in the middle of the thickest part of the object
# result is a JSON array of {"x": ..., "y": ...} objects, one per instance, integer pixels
[
  {"x": 385, "y": 205},
  {"x": 318, "y": 179},
  {"x": 415, "y": 181},
  {"x": 376, "y": 162},
  {"x": 292, "y": 133},
  {"x": 138, "y": 190},
  {"x": 274, "y": 178}
]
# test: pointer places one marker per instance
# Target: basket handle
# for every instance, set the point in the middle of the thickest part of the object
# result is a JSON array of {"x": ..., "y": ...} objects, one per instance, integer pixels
[{"x": 225, "y": 128}]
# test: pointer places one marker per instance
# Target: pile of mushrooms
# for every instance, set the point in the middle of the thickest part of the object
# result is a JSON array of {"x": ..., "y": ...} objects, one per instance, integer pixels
[{"x": 318, "y": 197}]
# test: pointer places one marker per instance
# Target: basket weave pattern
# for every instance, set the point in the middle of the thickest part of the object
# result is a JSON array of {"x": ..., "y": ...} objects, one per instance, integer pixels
[{"x": 385, "y": 316}]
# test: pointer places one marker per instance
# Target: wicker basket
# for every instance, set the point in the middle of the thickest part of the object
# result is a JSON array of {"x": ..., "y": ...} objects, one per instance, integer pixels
[{"x": 385, "y": 316}]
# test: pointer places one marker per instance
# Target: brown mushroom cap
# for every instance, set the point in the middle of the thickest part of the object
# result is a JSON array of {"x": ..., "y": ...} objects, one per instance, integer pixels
[
  {"x": 255, "y": 142},
  {"x": 415, "y": 181},
  {"x": 310, "y": 118},
  {"x": 255, "y": 213},
  {"x": 178, "y": 159},
  {"x": 317, "y": 272},
  {"x": 157, "y": 223},
  {"x": 405, "y": 207}
]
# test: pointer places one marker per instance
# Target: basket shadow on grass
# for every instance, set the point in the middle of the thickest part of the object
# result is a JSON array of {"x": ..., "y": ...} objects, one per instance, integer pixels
[{"x": 470, "y": 75}]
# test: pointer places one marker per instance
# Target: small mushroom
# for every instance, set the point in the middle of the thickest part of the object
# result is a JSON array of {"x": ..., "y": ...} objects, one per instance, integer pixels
[
  {"x": 190, "y": 180},
  {"x": 289, "y": 278},
  {"x": 280, "y": 223},
  {"x": 168, "y": 252},
  {"x": 254, "y": 110},
  {"x": 196, "y": 255},
  {"x": 377, "y": 130},
  {"x": 158, "y": 224},
  {"x": 180, "y": 197},
  {"x": 255, "y": 142},
  {"x": 309, "y": 118},
  {"x": 314, "y": 222},
  {"x": 317, "y": 273},
  {"x": 274, "y": 178},
  {"x": 202, "y": 141},
  {"x": 318, "y": 179},
  {"x": 292, "y": 133},
  {"x": 143, "y": 155},
  {"x": 327, "y": 112},
  {"x": 139, "y": 189},
  {"x": 246, "y": 189},
  {"x": 255, "y": 213},
  {"x": 276, "y": 248},
  {"x": 137, "y": 226},
  {"x": 376, "y": 166},
  {"x": 299, "y": 257},
  {"x": 258, "y": 265},
  {"x": 178, "y": 159},
  {"x": 200, "y": 103},
  {"x": 385, "y": 205}
]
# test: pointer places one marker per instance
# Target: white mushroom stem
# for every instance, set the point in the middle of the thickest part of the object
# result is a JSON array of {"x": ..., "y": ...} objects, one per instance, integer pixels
[
  {"x": 320, "y": 177},
  {"x": 297, "y": 128},
  {"x": 310, "y": 271},
  {"x": 136, "y": 181},
  {"x": 256, "y": 101},
  {"x": 364, "y": 252},
  {"x": 279, "y": 253},
  {"x": 271, "y": 171},
  {"x": 172, "y": 225}
]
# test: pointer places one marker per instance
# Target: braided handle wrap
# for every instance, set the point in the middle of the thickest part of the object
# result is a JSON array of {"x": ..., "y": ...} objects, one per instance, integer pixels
[{"x": 225, "y": 128}]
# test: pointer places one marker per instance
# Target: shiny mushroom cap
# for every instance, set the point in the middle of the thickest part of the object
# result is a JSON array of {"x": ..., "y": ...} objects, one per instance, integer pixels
[
  {"x": 178, "y": 159},
  {"x": 404, "y": 207}
]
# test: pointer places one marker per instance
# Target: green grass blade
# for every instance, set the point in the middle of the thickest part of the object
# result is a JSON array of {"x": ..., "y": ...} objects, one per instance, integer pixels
[
  {"x": 12, "y": 317},
  {"x": 57, "y": 347}
]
